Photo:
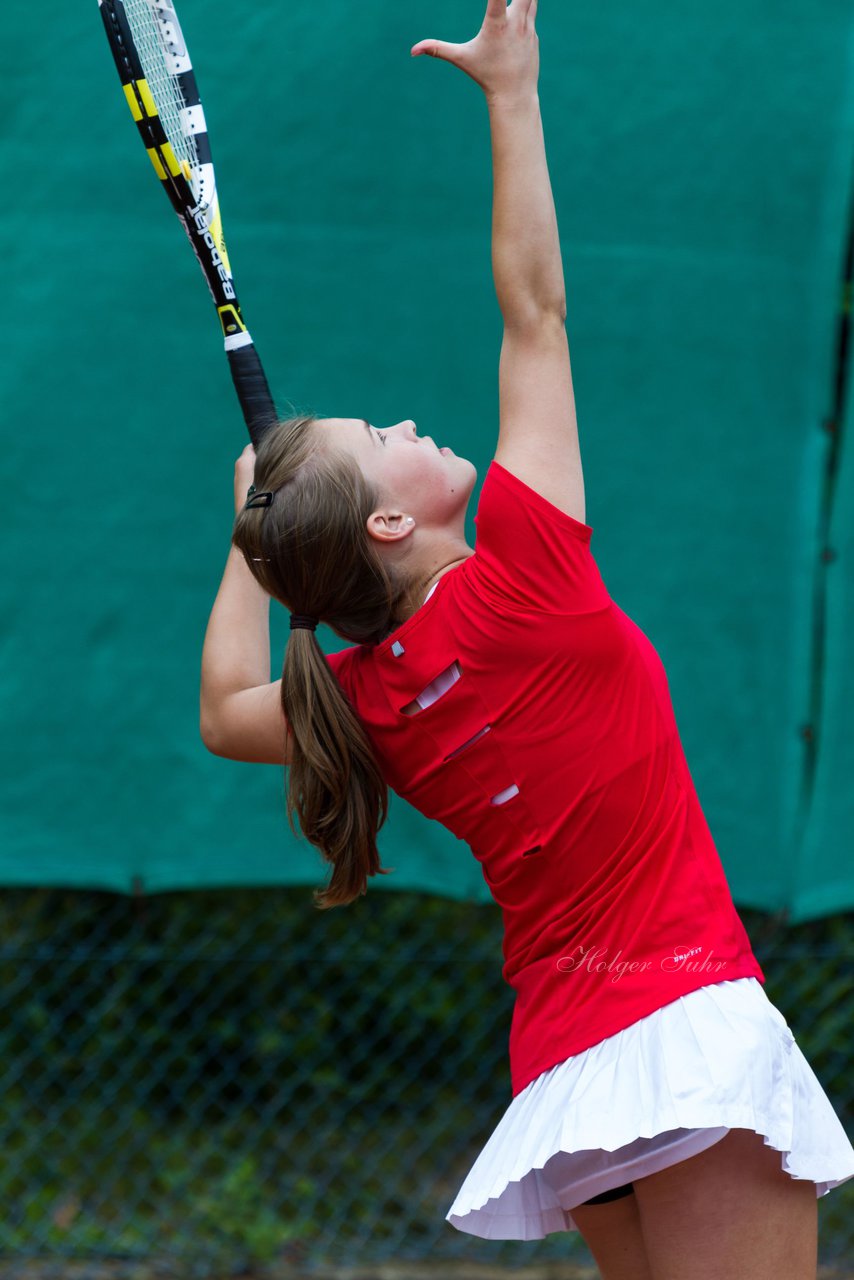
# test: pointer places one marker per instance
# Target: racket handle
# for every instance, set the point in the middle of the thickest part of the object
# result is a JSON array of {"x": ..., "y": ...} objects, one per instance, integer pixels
[{"x": 250, "y": 382}]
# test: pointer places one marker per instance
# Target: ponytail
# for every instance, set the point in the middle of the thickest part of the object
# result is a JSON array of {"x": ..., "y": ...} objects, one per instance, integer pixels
[
  {"x": 310, "y": 549},
  {"x": 335, "y": 785}
]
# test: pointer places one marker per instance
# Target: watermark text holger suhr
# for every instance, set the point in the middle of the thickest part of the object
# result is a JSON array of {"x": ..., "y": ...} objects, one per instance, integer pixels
[{"x": 595, "y": 960}]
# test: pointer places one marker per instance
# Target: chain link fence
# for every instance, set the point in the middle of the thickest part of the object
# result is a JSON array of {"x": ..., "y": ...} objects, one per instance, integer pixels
[{"x": 226, "y": 1083}]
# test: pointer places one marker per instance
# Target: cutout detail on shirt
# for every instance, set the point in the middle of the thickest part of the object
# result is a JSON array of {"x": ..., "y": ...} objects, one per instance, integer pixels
[
  {"x": 507, "y": 794},
  {"x": 469, "y": 743},
  {"x": 434, "y": 691}
]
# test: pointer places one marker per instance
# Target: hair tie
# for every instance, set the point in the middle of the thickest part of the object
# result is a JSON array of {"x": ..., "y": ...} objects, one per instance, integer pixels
[
  {"x": 256, "y": 499},
  {"x": 301, "y": 622}
]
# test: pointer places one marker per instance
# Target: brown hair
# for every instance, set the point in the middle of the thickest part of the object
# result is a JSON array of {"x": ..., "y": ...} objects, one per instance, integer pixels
[{"x": 310, "y": 549}]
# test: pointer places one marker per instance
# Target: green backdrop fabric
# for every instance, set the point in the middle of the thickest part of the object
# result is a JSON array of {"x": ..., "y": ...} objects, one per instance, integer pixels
[{"x": 701, "y": 162}]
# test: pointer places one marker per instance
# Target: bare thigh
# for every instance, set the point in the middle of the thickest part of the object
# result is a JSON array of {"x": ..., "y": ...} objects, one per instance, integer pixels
[
  {"x": 730, "y": 1211},
  {"x": 612, "y": 1233}
]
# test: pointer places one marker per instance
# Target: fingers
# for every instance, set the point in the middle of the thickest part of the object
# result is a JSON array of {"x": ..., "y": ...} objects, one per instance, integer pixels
[
  {"x": 435, "y": 48},
  {"x": 496, "y": 8}
]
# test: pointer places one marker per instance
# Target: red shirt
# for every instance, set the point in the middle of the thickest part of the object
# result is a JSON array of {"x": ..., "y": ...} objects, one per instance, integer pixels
[{"x": 612, "y": 892}]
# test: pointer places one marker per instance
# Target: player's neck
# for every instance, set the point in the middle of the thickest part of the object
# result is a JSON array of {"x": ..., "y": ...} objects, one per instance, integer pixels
[{"x": 432, "y": 560}]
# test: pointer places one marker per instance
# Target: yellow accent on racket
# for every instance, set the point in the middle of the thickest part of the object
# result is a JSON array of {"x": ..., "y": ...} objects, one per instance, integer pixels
[
  {"x": 147, "y": 100},
  {"x": 132, "y": 102},
  {"x": 171, "y": 159},
  {"x": 229, "y": 318},
  {"x": 158, "y": 167},
  {"x": 215, "y": 228}
]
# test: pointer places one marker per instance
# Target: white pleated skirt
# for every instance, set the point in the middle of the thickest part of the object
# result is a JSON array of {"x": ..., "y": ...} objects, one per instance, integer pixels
[{"x": 667, "y": 1087}]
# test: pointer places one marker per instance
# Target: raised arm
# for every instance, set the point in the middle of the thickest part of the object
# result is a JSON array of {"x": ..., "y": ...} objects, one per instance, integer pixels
[
  {"x": 538, "y": 435},
  {"x": 241, "y": 713}
]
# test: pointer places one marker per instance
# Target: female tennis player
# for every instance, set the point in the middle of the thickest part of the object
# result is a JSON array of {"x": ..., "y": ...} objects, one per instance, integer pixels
[{"x": 661, "y": 1105}]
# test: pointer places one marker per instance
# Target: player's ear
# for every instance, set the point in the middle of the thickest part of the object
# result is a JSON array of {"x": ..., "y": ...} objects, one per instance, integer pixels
[{"x": 389, "y": 525}]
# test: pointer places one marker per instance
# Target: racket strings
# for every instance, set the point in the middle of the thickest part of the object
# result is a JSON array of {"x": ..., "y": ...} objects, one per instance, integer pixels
[{"x": 150, "y": 35}]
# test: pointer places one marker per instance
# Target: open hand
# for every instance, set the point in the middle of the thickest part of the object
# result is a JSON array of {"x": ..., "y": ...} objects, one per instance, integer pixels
[{"x": 504, "y": 57}]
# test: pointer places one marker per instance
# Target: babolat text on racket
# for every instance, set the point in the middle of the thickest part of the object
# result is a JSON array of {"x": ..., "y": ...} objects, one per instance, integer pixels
[{"x": 160, "y": 87}]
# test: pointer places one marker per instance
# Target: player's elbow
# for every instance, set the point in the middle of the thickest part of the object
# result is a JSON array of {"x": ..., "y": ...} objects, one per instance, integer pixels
[
  {"x": 533, "y": 316},
  {"x": 210, "y": 729}
]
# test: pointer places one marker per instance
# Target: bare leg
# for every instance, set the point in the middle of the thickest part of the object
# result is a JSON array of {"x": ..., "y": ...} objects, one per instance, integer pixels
[
  {"x": 612, "y": 1233},
  {"x": 729, "y": 1212}
]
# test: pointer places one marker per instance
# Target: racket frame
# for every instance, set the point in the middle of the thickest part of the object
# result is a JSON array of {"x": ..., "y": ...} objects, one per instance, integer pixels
[{"x": 197, "y": 210}]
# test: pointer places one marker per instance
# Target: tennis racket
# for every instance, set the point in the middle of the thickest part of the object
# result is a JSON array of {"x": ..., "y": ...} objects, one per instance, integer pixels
[{"x": 160, "y": 87}]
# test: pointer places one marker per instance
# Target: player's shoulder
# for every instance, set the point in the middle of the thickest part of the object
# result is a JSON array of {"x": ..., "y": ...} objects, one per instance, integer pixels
[
  {"x": 528, "y": 489},
  {"x": 341, "y": 661}
]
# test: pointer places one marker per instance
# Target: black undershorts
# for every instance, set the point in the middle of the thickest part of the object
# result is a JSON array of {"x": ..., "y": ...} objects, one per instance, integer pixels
[{"x": 616, "y": 1193}]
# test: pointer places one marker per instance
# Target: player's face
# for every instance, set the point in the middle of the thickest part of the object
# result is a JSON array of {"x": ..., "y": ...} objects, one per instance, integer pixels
[{"x": 411, "y": 473}]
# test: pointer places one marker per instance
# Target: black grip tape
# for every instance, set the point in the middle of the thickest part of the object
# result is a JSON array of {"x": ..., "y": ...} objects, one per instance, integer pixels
[{"x": 250, "y": 382}]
